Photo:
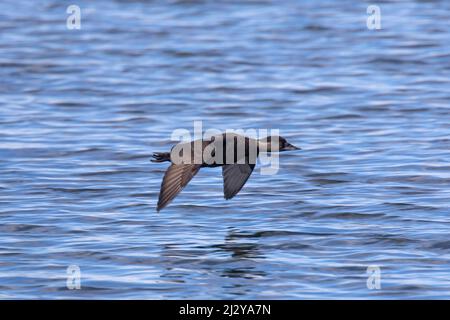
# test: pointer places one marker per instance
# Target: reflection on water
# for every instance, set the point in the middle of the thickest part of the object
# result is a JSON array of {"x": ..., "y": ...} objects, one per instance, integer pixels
[{"x": 81, "y": 111}]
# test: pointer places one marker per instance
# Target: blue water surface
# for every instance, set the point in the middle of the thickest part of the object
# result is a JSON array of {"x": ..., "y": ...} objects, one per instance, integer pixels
[{"x": 81, "y": 112}]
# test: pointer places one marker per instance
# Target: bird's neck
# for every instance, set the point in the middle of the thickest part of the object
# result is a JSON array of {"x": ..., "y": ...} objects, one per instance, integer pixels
[{"x": 264, "y": 146}]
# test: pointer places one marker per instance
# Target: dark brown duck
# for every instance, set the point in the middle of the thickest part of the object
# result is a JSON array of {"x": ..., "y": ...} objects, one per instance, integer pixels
[{"x": 236, "y": 154}]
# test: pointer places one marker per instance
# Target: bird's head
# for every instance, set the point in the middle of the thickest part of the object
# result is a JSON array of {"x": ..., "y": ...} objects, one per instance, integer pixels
[{"x": 277, "y": 143}]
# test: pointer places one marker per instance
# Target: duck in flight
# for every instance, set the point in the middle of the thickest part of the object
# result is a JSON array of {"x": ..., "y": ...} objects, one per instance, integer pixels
[{"x": 236, "y": 154}]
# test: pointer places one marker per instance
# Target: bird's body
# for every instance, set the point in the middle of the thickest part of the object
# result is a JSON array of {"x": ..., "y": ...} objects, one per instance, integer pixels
[{"x": 236, "y": 155}]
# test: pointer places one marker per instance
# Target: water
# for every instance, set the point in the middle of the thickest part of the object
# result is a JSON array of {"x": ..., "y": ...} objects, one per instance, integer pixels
[{"x": 81, "y": 111}]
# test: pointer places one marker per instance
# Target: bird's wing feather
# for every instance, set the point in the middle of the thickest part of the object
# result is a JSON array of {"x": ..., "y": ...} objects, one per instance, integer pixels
[
  {"x": 234, "y": 178},
  {"x": 175, "y": 179}
]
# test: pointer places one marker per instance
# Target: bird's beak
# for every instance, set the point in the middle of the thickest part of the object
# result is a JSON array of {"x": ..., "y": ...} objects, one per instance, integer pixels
[{"x": 289, "y": 146}]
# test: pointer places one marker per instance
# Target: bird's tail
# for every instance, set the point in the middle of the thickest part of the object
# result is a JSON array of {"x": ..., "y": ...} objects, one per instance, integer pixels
[{"x": 160, "y": 156}]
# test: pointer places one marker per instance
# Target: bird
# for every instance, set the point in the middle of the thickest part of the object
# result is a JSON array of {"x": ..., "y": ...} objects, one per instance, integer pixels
[{"x": 235, "y": 153}]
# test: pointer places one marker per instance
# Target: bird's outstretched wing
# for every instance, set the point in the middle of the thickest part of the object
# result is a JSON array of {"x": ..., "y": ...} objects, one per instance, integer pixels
[
  {"x": 175, "y": 179},
  {"x": 234, "y": 178}
]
